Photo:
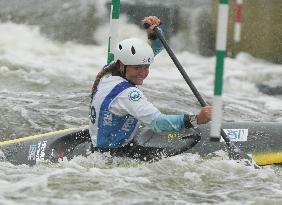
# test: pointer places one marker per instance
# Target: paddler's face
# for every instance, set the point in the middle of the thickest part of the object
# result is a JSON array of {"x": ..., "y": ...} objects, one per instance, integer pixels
[{"x": 137, "y": 73}]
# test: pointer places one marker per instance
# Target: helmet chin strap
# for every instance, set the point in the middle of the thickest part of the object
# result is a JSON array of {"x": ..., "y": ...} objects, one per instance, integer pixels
[
  {"x": 123, "y": 73},
  {"x": 125, "y": 67}
]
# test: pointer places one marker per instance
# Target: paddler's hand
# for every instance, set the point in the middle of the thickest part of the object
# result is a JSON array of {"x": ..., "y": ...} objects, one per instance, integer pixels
[
  {"x": 153, "y": 21},
  {"x": 204, "y": 115}
]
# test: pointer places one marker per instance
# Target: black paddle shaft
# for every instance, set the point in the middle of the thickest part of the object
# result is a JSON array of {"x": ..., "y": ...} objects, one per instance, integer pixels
[
  {"x": 234, "y": 152},
  {"x": 180, "y": 68}
]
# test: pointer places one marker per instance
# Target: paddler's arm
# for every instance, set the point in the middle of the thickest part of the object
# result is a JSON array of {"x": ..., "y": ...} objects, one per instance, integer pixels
[
  {"x": 163, "y": 122},
  {"x": 153, "y": 40},
  {"x": 148, "y": 114}
]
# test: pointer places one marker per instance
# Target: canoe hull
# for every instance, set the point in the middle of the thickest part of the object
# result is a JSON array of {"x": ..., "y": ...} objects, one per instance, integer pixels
[{"x": 261, "y": 140}]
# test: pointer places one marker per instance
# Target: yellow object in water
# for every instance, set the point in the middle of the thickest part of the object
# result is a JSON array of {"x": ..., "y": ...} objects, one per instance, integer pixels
[
  {"x": 40, "y": 136},
  {"x": 268, "y": 158}
]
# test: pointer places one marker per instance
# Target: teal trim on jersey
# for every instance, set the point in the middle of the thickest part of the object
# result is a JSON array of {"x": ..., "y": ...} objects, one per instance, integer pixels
[
  {"x": 168, "y": 123},
  {"x": 157, "y": 45}
]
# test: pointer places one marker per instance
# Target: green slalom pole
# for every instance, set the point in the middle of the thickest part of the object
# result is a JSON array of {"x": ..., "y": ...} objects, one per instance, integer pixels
[
  {"x": 115, "y": 12},
  {"x": 221, "y": 36}
]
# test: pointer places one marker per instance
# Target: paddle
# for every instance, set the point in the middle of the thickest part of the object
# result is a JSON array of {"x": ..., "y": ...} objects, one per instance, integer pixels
[{"x": 234, "y": 151}]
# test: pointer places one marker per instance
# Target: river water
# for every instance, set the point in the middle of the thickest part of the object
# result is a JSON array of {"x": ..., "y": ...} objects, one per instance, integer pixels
[{"x": 45, "y": 86}]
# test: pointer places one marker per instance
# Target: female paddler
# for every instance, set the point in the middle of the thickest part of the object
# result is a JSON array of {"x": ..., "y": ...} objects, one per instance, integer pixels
[{"x": 118, "y": 105}]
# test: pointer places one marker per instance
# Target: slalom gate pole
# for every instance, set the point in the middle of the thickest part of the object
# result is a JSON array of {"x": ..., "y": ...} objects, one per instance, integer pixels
[
  {"x": 237, "y": 25},
  {"x": 115, "y": 12},
  {"x": 221, "y": 36}
]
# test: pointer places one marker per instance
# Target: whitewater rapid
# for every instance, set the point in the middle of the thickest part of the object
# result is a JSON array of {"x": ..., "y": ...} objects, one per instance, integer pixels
[{"x": 45, "y": 86}]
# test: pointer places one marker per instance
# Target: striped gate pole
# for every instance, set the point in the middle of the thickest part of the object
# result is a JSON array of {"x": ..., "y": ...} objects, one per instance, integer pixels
[
  {"x": 115, "y": 11},
  {"x": 237, "y": 25},
  {"x": 221, "y": 36}
]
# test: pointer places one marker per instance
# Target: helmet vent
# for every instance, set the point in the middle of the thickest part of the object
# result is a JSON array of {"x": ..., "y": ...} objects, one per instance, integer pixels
[
  {"x": 120, "y": 47},
  {"x": 133, "y": 50}
]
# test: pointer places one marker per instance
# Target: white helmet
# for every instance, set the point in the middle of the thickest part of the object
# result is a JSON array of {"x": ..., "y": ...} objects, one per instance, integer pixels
[{"x": 134, "y": 51}]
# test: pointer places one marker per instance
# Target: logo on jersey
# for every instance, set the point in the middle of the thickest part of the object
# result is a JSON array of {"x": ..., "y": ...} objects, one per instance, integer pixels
[{"x": 134, "y": 95}]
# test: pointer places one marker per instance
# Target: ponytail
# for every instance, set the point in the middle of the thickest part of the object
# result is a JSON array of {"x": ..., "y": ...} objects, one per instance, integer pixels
[{"x": 112, "y": 68}]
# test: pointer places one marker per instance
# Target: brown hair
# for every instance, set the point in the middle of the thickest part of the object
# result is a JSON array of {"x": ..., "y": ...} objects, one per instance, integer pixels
[{"x": 112, "y": 68}]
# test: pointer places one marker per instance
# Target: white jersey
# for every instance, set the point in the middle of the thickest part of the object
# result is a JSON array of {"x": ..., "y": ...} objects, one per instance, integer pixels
[{"x": 115, "y": 126}]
